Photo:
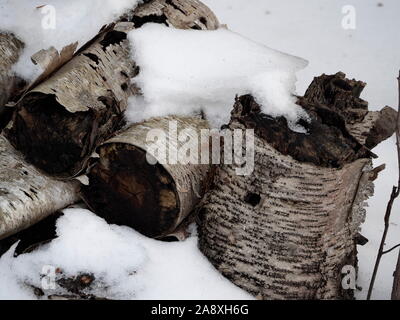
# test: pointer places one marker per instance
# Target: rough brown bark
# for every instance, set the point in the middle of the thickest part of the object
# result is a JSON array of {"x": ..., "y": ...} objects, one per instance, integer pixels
[
  {"x": 26, "y": 195},
  {"x": 61, "y": 118},
  {"x": 124, "y": 188},
  {"x": 286, "y": 231},
  {"x": 10, "y": 49}
]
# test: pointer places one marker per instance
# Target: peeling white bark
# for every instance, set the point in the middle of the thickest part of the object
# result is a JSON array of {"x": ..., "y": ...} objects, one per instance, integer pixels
[
  {"x": 293, "y": 243},
  {"x": 27, "y": 195}
]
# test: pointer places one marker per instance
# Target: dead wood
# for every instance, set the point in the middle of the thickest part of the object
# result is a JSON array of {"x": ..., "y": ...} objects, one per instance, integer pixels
[
  {"x": 63, "y": 116},
  {"x": 125, "y": 189},
  {"x": 341, "y": 96},
  {"x": 287, "y": 230}
]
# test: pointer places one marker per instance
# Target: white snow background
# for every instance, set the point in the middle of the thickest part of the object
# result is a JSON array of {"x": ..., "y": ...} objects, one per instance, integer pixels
[{"x": 310, "y": 29}]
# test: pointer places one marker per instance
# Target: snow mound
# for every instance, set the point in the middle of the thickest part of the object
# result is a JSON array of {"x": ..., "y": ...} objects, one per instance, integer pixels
[
  {"x": 75, "y": 20},
  {"x": 187, "y": 71},
  {"x": 125, "y": 264}
]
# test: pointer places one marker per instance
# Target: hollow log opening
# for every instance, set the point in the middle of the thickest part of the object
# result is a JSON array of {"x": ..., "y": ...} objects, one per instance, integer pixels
[
  {"x": 156, "y": 200},
  {"x": 126, "y": 190},
  {"x": 54, "y": 139}
]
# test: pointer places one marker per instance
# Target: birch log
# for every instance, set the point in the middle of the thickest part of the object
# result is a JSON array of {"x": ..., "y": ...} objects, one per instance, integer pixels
[
  {"x": 396, "y": 283},
  {"x": 287, "y": 230},
  {"x": 126, "y": 189},
  {"x": 26, "y": 195},
  {"x": 59, "y": 121},
  {"x": 10, "y": 49}
]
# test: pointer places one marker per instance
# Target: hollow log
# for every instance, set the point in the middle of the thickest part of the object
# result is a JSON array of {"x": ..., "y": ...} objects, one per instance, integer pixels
[
  {"x": 26, "y": 195},
  {"x": 60, "y": 120},
  {"x": 287, "y": 230},
  {"x": 10, "y": 49},
  {"x": 126, "y": 189}
]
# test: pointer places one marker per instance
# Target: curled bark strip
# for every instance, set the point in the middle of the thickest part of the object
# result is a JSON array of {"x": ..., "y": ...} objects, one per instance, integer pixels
[
  {"x": 124, "y": 188},
  {"x": 61, "y": 120},
  {"x": 287, "y": 230},
  {"x": 10, "y": 49},
  {"x": 26, "y": 195}
]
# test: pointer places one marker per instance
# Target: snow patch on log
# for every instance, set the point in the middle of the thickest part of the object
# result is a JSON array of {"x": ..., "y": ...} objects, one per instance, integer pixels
[
  {"x": 57, "y": 23},
  {"x": 186, "y": 71}
]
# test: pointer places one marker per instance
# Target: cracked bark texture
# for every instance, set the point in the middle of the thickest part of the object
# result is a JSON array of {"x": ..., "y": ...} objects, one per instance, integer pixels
[
  {"x": 64, "y": 116},
  {"x": 26, "y": 195},
  {"x": 287, "y": 230},
  {"x": 10, "y": 49},
  {"x": 125, "y": 189}
]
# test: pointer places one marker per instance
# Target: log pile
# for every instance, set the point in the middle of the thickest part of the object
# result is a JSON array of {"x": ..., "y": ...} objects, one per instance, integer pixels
[{"x": 285, "y": 231}]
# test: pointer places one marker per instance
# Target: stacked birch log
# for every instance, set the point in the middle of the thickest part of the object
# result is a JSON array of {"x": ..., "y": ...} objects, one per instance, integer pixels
[{"x": 283, "y": 232}]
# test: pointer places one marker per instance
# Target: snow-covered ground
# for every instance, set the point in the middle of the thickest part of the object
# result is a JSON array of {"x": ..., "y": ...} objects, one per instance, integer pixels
[
  {"x": 125, "y": 264},
  {"x": 312, "y": 29},
  {"x": 137, "y": 267}
]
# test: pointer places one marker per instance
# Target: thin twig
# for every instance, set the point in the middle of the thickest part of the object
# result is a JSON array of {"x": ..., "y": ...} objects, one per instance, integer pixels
[
  {"x": 393, "y": 196},
  {"x": 390, "y": 250}
]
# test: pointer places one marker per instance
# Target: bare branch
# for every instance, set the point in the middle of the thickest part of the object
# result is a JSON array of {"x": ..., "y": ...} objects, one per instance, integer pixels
[
  {"x": 395, "y": 193},
  {"x": 390, "y": 250}
]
